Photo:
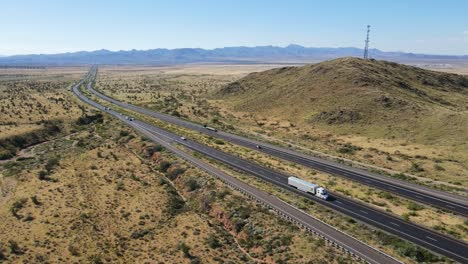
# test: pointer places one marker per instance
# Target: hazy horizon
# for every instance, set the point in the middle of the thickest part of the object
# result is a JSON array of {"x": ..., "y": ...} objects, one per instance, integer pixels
[
  {"x": 284, "y": 46},
  {"x": 56, "y": 27}
]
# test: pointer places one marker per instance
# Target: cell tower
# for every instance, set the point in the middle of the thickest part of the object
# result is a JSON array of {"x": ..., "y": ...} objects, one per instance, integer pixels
[{"x": 366, "y": 47}]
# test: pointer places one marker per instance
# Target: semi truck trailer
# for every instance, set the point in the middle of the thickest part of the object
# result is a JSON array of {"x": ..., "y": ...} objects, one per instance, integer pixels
[{"x": 308, "y": 187}]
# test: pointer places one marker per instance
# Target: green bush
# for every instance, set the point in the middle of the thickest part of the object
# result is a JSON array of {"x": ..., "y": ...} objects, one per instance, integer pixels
[
  {"x": 51, "y": 164},
  {"x": 164, "y": 166},
  {"x": 123, "y": 133},
  {"x": 416, "y": 168},
  {"x": 348, "y": 148},
  {"x": 88, "y": 119},
  {"x": 219, "y": 142},
  {"x": 173, "y": 174},
  {"x": 35, "y": 200},
  {"x": 192, "y": 184},
  {"x": 139, "y": 233},
  {"x": 213, "y": 242},
  {"x": 14, "y": 247},
  {"x": 185, "y": 249},
  {"x": 17, "y": 206},
  {"x": 414, "y": 206},
  {"x": 43, "y": 175}
]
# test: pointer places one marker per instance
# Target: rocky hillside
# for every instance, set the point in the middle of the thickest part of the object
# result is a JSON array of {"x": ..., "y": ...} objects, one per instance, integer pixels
[{"x": 376, "y": 98}]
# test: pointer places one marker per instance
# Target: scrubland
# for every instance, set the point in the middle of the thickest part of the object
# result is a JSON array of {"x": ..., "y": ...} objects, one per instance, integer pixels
[{"x": 94, "y": 191}]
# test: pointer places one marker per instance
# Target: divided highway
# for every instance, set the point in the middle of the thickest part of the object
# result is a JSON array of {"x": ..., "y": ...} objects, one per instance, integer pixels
[
  {"x": 427, "y": 238},
  {"x": 422, "y": 194},
  {"x": 337, "y": 238}
]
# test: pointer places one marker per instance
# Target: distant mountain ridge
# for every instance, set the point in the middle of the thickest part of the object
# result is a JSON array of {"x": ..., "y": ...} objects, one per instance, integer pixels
[{"x": 291, "y": 53}]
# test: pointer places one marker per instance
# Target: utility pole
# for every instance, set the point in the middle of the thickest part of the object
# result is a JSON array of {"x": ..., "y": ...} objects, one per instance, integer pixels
[{"x": 366, "y": 47}]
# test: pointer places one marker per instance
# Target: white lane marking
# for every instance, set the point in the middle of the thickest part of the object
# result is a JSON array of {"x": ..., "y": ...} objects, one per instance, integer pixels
[
  {"x": 364, "y": 211},
  {"x": 395, "y": 224},
  {"x": 433, "y": 239},
  {"x": 450, "y": 206},
  {"x": 339, "y": 202}
]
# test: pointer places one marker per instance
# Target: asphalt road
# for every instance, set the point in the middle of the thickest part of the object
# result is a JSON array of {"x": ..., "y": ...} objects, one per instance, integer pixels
[
  {"x": 334, "y": 236},
  {"x": 422, "y": 194},
  {"x": 432, "y": 240}
]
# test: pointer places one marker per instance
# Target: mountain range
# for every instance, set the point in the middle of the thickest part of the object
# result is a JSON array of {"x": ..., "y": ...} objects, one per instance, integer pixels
[{"x": 292, "y": 53}]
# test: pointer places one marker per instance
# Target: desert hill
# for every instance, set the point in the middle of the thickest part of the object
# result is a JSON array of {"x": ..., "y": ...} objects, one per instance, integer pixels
[{"x": 369, "y": 97}]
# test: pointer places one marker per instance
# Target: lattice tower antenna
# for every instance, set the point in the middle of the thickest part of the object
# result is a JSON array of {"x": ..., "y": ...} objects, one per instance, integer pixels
[{"x": 366, "y": 47}]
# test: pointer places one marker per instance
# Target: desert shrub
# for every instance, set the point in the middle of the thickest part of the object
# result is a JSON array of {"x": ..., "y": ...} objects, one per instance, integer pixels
[
  {"x": 164, "y": 166},
  {"x": 88, "y": 119},
  {"x": 416, "y": 168},
  {"x": 192, "y": 184},
  {"x": 153, "y": 149},
  {"x": 73, "y": 250},
  {"x": 139, "y": 233},
  {"x": 43, "y": 175},
  {"x": 213, "y": 242},
  {"x": 175, "y": 204},
  {"x": 438, "y": 167},
  {"x": 219, "y": 142},
  {"x": 6, "y": 155},
  {"x": 348, "y": 149},
  {"x": 173, "y": 174},
  {"x": 123, "y": 133},
  {"x": 51, "y": 164},
  {"x": 403, "y": 176},
  {"x": 14, "y": 247},
  {"x": 17, "y": 206},
  {"x": 386, "y": 195},
  {"x": 185, "y": 249},
  {"x": 414, "y": 206},
  {"x": 120, "y": 186},
  {"x": 95, "y": 259}
]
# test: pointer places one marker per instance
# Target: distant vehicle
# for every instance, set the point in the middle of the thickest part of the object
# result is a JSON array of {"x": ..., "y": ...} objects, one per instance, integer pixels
[
  {"x": 131, "y": 118},
  {"x": 183, "y": 138},
  {"x": 126, "y": 117},
  {"x": 258, "y": 146},
  {"x": 211, "y": 128},
  {"x": 308, "y": 187}
]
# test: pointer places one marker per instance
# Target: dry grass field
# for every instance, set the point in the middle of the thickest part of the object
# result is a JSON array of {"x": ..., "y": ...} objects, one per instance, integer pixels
[{"x": 81, "y": 188}]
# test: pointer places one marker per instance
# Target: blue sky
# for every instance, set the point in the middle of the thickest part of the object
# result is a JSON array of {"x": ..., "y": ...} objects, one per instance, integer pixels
[{"x": 430, "y": 26}]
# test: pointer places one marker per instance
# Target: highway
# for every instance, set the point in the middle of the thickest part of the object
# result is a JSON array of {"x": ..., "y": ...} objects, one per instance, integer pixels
[
  {"x": 425, "y": 237},
  {"x": 334, "y": 236},
  {"x": 422, "y": 194}
]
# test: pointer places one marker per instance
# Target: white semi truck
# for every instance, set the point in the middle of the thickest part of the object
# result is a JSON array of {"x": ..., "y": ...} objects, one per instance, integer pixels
[{"x": 308, "y": 187}]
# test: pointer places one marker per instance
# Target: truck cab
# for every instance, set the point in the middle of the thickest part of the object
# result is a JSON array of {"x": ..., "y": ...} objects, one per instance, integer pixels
[{"x": 322, "y": 193}]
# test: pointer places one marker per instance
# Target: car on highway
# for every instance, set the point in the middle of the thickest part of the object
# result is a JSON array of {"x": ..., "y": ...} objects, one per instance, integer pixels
[{"x": 183, "y": 138}]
